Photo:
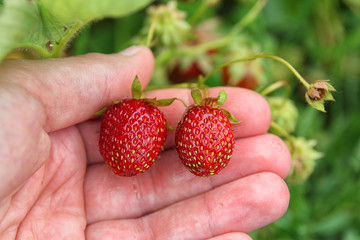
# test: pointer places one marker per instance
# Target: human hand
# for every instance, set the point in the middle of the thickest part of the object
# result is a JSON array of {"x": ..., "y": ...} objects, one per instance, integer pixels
[{"x": 56, "y": 186}]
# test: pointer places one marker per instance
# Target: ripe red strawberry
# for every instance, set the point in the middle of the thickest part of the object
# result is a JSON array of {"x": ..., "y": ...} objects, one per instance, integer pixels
[
  {"x": 248, "y": 80},
  {"x": 204, "y": 138},
  {"x": 132, "y": 134},
  {"x": 186, "y": 70},
  {"x": 179, "y": 75}
]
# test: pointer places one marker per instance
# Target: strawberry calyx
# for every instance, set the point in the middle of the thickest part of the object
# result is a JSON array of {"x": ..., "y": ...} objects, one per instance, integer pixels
[
  {"x": 215, "y": 102},
  {"x": 137, "y": 93}
]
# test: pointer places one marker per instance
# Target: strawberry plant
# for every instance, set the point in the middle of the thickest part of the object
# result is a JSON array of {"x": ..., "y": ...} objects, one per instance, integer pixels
[
  {"x": 246, "y": 43},
  {"x": 187, "y": 46}
]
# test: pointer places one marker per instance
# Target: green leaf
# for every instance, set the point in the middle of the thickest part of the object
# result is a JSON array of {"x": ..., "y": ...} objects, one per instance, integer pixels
[
  {"x": 17, "y": 19},
  {"x": 52, "y": 35},
  {"x": 93, "y": 9},
  {"x": 47, "y": 26}
]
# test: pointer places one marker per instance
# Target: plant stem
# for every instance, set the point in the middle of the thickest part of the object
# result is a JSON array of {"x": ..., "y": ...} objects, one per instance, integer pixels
[
  {"x": 39, "y": 50},
  {"x": 249, "y": 17},
  {"x": 192, "y": 50},
  {"x": 58, "y": 48},
  {"x": 282, "y": 132},
  {"x": 227, "y": 64},
  {"x": 279, "y": 59},
  {"x": 151, "y": 32},
  {"x": 199, "y": 12},
  {"x": 273, "y": 87},
  {"x": 288, "y": 65}
]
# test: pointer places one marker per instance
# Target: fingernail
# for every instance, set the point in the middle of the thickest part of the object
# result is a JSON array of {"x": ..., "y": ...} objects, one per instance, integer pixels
[{"x": 130, "y": 51}]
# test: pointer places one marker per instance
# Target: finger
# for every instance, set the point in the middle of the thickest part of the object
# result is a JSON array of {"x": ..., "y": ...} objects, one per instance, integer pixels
[
  {"x": 245, "y": 105},
  {"x": 232, "y": 236},
  {"x": 240, "y": 206},
  {"x": 73, "y": 89},
  {"x": 168, "y": 181}
]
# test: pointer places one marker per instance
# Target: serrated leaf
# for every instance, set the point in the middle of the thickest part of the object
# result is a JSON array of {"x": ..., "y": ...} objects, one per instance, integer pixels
[
  {"x": 93, "y": 9},
  {"x": 46, "y": 26}
]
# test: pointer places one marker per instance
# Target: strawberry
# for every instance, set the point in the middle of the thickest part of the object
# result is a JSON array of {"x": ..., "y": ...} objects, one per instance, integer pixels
[
  {"x": 132, "y": 134},
  {"x": 179, "y": 75},
  {"x": 204, "y": 138},
  {"x": 190, "y": 68},
  {"x": 248, "y": 80}
]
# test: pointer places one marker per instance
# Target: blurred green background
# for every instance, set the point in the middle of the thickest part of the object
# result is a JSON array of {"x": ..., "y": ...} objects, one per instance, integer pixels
[{"x": 322, "y": 40}]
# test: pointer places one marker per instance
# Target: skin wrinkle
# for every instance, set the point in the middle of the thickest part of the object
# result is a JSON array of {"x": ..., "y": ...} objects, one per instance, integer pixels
[
  {"x": 146, "y": 225},
  {"x": 55, "y": 199},
  {"x": 210, "y": 222},
  {"x": 40, "y": 142}
]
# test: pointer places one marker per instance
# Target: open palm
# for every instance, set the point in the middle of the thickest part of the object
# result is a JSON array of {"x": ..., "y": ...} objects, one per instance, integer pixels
[{"x": 56, "y": 186}]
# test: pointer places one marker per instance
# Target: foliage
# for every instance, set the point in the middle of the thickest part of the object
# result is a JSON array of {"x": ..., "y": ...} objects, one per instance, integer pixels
[
  {"x": 318, "y": 38},
  {"x": 44, "y": 27}
]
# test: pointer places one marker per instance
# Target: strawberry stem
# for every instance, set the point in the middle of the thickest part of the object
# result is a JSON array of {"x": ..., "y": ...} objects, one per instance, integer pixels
[
  {"x": 275, "y": 86},
  {"x": 151, "y": 33},
  {"x": 251, "y": 58},
  {"x": 289, "y": 66}
]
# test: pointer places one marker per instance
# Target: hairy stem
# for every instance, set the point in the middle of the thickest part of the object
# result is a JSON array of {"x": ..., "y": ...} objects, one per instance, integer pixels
[{"x": 58, "y": 49}]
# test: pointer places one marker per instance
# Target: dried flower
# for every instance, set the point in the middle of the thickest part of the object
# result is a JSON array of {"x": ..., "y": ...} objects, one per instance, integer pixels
[{"x": 318, "y": 93}]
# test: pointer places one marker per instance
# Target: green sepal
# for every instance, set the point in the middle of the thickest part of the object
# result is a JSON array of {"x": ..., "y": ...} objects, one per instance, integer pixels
[
  {"x": 164, "y": 102},
  {"x": 231, "y": 118},
  {"x": 197, "y": 96},
  {"x": 317, "y": 104},
  {"x": 330, "y": 87},
  {"x": 221, "y": 98},
  {"x": 101, "y": 112},
  {"x": 328, "y": 97},
  {"x": 136, "y": 88},
  {"x": 168, "y": 126}
]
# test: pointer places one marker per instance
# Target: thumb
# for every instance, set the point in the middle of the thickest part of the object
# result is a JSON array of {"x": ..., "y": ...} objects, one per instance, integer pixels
[
  {"x": 40, "y": 96},
  {"x": 72, "y": 89}
]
